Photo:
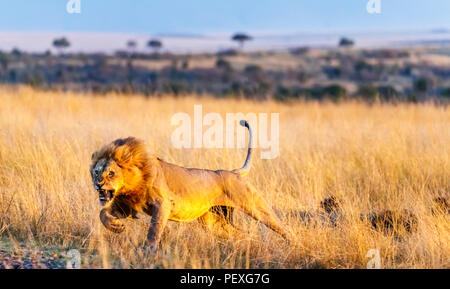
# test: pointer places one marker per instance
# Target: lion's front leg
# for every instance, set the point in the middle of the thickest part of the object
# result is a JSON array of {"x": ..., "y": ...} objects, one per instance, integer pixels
[
  {"x": 118, "y": 209},
  {"x": 111, "y": 222},
  {"x": 161, "y": 212}
]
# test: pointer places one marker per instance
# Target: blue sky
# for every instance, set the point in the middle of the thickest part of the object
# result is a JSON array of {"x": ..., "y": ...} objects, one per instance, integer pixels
[{"x": 209, "y": 16}]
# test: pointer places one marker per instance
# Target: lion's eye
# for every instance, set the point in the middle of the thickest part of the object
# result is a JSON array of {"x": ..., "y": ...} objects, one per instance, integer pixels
[{"x": 111, "y": 174}]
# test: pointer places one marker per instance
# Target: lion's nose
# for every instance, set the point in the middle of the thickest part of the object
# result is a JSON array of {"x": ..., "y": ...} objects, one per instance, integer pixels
[{"x": 98, "y": 185}]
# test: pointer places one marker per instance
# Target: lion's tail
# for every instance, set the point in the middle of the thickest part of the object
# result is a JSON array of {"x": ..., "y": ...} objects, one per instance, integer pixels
[{"x": 248, "y": 161}]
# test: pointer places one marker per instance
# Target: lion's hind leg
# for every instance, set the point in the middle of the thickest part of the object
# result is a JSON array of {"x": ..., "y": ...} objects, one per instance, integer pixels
[{"x": 252, "y": 203}]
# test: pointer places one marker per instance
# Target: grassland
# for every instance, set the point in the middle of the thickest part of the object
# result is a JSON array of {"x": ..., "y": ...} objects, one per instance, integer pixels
[{"x": 372, "y": 158}]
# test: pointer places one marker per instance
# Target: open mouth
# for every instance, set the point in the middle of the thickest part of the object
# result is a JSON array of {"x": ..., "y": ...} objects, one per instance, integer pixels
[{"x": 105, "y": 195}]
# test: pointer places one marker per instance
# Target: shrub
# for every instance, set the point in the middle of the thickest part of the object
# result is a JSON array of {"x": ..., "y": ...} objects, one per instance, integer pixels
[
  {"x": 335, "y": 92},
  {"x": 446, "y": 92},
  {"x": 223, "y": 64},
  {"x": 388, "y": 93},
  {"x": 228, "y": 52},
  {"x": 299, "y": 51},
  {"x": 34, "y": 79},
  {"x": 367, "y": 91},
  {"x": 421, "y": 85}
]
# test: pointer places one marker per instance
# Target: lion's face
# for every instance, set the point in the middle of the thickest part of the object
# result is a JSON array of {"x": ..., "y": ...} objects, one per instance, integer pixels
[
  {"x": 120, "y": 167},
  {"x": 107, "y": 178}
]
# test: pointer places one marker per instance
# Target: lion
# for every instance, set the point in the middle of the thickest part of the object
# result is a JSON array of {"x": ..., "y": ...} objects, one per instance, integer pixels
[{"x": 130, "y": 181}]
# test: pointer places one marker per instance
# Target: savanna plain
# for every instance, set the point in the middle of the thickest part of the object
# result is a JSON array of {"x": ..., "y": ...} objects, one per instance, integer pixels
[{"x": 371, "y": 157}]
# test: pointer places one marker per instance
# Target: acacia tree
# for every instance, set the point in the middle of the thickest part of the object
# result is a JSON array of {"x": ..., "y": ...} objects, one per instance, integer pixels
[
  {"x": 131, "y": 45},
  {"x": 155, "y": 45},
  {"x": 241, "y": 38},
  {"x": 346, "y": 43},
  {"x": 61, "y": 44}
]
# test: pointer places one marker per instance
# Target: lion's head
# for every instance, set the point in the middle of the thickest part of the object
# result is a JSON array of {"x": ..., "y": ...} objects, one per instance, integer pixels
[{"x": 120, "y": 167}]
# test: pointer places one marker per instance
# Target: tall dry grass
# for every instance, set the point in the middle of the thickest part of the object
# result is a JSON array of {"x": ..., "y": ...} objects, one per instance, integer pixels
[{"x": 371, "y": 157}]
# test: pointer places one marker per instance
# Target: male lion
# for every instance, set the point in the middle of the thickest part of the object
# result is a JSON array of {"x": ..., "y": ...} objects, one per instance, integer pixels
[{"x": 129, "y": 181}]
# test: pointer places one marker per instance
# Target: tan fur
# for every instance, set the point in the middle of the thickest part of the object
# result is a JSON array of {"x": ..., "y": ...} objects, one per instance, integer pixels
[{"x": 169, "y": 192}]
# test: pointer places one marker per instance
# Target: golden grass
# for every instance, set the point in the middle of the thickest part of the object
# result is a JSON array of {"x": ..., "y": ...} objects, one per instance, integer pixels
[{"x": 371, "y": 157}]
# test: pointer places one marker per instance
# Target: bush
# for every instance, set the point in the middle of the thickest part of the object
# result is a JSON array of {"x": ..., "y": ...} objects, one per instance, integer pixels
[
  {"x": 299, "y": 51},
  {"x": 362, "y": 65},
  {"x": 446, "y": 92},
  {"x": 228, "y": 52},
  {"x": 332, "y": 72},
  {"x": 388, "y": 93},
  {"x": 3, "y": 61},
  {"x": 177, "y": 87},
  {"x": 283, "y": 93},
  {"x": 253, "y": 69},
  {"x": 421, "y": 85},
  {"x": 334, "y": 92},
  {"x": 34, "y": 79},
  {"x": 367, "y": 92},
  {"x": 223, "y": 64}
]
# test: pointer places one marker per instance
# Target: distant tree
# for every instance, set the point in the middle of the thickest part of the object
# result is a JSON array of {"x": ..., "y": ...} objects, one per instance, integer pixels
[
  {"x": 388, "y": 93},
  {"x": 131, "y": 45},
  {"x": 4, "y": 61},
  {"x": 335, "y": 92},
  {"x": 446, "y": 92},
  {"x": 241, "y": 38},
  {"x": 155, "y": 45},
  {"x": 174, "y": 64},
  {"x": 226, "y": 69},
  {"x": 61, "y": 44},
  {"x": 223, "y": 64},
  {"x": 299, "y": 51},
  {"x": 254, "y": 72},
  {"x": 367, "y": 92},
  {"x": 422, "y": 85},
  {"x": 185, "y": 64},
  {"x": 345, "y": 42},
  {"x": 34, "y": 79},
  {"x": 227, "y": 52},
  {"x": 16, "y": 52}
]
